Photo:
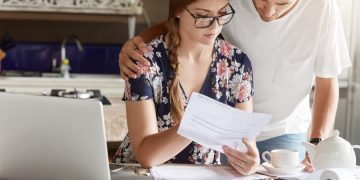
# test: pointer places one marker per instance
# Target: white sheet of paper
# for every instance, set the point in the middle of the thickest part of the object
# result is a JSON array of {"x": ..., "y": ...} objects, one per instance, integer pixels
[
  {"x": 208, "y": 172},
  {"x": 213, "y": 124}
]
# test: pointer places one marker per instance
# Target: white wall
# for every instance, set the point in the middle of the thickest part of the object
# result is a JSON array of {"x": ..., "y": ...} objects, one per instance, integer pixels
[
  {"x": 351, "y": 17},
  {"x": 355, "y": 113},
  {"x": 346, "y": 7}
]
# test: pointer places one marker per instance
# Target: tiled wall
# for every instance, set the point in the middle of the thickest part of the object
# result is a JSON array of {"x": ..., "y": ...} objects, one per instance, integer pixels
[{"x": 37, "y": 57}]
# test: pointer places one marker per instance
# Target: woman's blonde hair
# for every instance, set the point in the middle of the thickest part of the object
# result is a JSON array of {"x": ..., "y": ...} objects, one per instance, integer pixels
[{"x": 175, "y": 8}]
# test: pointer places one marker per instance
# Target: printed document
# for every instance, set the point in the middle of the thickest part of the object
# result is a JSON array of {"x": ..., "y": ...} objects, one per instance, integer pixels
[
  {"x": 196, "y": 172},
  {"x": 213, "y": 124}
]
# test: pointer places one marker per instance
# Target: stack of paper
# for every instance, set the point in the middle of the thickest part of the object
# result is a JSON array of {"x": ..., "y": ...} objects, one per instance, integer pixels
[
  {"x": 213, "y": 124},
  {"x": 209, "y": 172}
]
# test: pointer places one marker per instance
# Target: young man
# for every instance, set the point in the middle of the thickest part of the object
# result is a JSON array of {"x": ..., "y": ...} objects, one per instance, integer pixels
[{"x": 291, "y": 43}]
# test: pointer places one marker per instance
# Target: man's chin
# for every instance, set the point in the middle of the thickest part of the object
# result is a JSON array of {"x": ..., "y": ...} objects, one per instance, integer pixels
[{"x": 267, "y": 19}]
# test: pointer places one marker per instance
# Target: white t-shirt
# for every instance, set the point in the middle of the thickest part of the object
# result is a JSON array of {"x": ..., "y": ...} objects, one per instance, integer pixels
[{"x": 286, "y": 55}]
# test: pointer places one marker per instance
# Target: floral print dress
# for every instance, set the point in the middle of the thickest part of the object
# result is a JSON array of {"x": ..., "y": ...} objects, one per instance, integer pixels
[{"x": 229, "y": 80}]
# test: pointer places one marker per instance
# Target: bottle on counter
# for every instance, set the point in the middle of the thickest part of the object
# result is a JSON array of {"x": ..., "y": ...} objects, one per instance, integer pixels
[{"x": 65, "y": 69}]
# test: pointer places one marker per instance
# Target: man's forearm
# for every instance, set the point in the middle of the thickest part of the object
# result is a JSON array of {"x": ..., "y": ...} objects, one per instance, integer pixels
[
  {"x": 154, "y": 31},
  {"x": 324, "y": 108}
]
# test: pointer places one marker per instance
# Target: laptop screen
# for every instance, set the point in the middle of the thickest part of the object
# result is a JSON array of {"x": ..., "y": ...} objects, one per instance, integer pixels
[{"x": 51, "y": 138}]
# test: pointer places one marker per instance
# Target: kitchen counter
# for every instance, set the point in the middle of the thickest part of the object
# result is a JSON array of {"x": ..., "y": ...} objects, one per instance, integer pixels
[
  {"x": 111, "y": 86},
  {"x": 115, "y": 120}
]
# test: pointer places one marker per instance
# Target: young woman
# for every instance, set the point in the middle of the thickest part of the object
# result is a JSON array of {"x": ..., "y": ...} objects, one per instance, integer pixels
[{"x": 189, "y": 58}]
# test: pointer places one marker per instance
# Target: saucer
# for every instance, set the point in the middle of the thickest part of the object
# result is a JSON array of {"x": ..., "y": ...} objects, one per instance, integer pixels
[{"x": 283, "y": 171}]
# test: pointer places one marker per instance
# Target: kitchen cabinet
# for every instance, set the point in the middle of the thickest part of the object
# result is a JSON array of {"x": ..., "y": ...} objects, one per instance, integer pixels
[{"x": 73, "y": 9}]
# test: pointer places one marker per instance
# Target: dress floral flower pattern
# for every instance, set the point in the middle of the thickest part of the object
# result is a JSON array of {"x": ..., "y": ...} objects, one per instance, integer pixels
[{"x": 229, "y": 80}]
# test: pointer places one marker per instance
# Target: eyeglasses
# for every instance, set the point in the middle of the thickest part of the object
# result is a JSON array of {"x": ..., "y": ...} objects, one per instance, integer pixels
[{"x": 207, "y": 21}]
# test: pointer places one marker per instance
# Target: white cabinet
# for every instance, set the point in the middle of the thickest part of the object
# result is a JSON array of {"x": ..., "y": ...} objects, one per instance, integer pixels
[
  {"x": 125, "y": 7},
  {"x": 29, "y": 9}
]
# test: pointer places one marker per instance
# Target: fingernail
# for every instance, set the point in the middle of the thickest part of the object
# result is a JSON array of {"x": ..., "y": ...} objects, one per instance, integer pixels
[
  {"x": 134, "y": 76},
  {"x": 225, "y": 148}
]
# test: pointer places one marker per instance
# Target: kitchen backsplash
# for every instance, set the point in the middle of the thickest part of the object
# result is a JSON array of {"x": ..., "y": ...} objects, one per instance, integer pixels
[{"x": 39, "y": 57}]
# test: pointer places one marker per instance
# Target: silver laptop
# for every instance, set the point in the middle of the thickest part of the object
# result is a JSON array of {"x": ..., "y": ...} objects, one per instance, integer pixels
[{"x": 52, "y": 138}]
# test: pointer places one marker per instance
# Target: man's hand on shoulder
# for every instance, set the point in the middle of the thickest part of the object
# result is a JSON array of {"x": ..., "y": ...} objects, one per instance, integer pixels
[{"x": 127, "y": 56}]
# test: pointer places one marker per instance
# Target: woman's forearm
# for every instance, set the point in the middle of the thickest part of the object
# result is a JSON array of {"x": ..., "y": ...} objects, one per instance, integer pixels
[{"x": 160, "y": 147}]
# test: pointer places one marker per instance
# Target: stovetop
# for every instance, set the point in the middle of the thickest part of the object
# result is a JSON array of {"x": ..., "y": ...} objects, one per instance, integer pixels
[{"x": 86, "y": 94}]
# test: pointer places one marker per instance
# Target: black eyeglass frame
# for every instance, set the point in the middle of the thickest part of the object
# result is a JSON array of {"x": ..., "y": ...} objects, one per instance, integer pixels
[{"x": 213, "y": 17}]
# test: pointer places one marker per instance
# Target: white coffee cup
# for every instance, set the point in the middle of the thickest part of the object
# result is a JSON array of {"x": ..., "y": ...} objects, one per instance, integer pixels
[{"x": 282, "y": 158}]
